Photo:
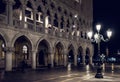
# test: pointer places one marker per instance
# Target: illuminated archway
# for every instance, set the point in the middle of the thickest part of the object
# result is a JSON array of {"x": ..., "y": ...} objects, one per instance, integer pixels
[
  {"x": 59, "y": 57},
  {"x": 23, "y": 50}
]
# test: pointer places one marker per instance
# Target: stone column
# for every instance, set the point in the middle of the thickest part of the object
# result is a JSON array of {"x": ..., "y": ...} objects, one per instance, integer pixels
[
  {"x": 83, "y": 59},
  {"x": 91, "y": 60},
  {"x": 59, "y": 21},
  {"x": 8, "y": 58},
  {"x": 44, "y": 22},
  {"x": 51, "y": 59},
  {"x": 52, "y": 23},
  {"x": 34, "y": 18},
  {"x": 23, "y": 15},
  {"x": 9, "y": 9},
  {"x": 65, "y": 59},
  {"x": 34, "y": 59},
  {"x": 70, "y": 27},
  {"x": 75, "y": 59}
]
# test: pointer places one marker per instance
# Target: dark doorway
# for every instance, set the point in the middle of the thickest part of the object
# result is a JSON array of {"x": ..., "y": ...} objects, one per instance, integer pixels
[
  {"x": 71, "y": 57},
  {"x": 41, "y": 58}
]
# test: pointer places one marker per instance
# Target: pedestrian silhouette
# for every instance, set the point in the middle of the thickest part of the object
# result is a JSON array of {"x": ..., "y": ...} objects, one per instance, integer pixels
[{"x": 23, "y": 66}]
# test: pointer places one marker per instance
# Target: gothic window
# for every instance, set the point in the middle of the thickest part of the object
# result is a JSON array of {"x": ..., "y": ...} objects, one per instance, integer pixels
[
  {"x": 71, "y": 15},
  {"x": 85, "y": 35},
  {"x": 25, "y": 51},
  {"x": 61, "y": 24},
  {"x": 39, "y": 15},
  {"x": 29, "y": 4},
  {"x": 68, "y": 23},
  {"x": 65, "y": 12},
  {"x": 17, "y": 4},
  {"x": 59, "y": 9},
  {"x": 55, "y": 23},
  {"x": 81, "y": 34},
  {"x": 28, "y": 13},
  {"x": 52, "y": 5},
  {"x": 44, "y": 2}
]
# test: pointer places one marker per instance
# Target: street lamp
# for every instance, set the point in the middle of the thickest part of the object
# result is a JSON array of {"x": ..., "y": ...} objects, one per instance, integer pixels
[{"x": 98, "y": 38}]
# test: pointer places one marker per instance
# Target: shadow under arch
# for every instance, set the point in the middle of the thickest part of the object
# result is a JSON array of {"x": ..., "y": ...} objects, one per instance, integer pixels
[
  {"x": 79, "y": 56},
  {"x": 71, "y": 54},
  {"x": 87, "y": 56},
  {"x": 43, "y": 53},
  {"x": 23, "y": 48}
]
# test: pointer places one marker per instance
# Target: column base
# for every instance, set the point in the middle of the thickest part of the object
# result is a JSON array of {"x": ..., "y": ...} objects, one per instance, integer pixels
[{"x": 99, "y": 73}]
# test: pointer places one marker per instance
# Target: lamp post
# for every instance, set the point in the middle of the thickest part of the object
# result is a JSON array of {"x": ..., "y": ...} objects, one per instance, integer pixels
[{"x": 98, "y": 38}]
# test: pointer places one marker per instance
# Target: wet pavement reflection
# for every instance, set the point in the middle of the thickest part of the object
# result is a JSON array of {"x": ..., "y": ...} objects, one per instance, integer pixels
[{"x": 111, "y": 73}]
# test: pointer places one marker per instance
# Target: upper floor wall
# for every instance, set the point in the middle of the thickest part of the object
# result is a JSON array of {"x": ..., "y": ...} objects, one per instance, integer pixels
[{"x": 69, "y": 16}]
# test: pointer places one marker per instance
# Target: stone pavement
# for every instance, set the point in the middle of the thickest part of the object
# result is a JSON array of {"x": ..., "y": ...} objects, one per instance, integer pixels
[{"x": 61, "y": 75}]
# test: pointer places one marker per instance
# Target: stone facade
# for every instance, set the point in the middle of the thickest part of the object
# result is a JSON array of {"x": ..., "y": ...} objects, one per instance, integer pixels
[{"x": 45, "y": 33}]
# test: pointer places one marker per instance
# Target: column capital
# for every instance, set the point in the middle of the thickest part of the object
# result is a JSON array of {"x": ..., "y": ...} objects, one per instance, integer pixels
[
  {"x": 34, "y": 51},
  {"x": 9, "y": 49}
]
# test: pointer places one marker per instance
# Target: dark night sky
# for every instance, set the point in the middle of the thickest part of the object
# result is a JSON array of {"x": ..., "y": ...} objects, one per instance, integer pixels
[{"x": 107, "y": 12}]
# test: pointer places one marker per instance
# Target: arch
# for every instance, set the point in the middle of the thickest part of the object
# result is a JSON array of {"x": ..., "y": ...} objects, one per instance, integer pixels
[
  {"x": 19, "y": 35},
  {"x": 59, "y": 9},
  {"x": 70, "y": 47},
  {"x": 59, "y": 42},
  {"x": 79, "y": 56},
  {"x": 23, "y": 48},
  {"x": 44, "y": 2},
  {"x": 59, "y": 55},
  {"x": 52, "y": 5},
  {"x": 65, "y": 12},
  {"x": 71, "y": 54},
  {"x": 31, "y": 3},
  {"x": 43, "y": 57},
  {"x": 48, "y": 12},
  {"x": 17, "y": 4},
  {"x": 39, "y": 8},
  {"x": 4, "y": 36},
  {"x": 46, "y": 40}
]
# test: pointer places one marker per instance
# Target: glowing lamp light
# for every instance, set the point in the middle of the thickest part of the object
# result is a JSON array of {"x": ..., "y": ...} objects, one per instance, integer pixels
[
  {"x": 109, "y": 33},
  {"x": 90, "y": 34},
  {"x": 98, "y": 27}
]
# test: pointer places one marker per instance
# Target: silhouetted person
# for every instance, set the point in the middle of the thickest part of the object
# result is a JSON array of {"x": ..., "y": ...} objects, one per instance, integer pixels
[{"x": 23, "y": 66}]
